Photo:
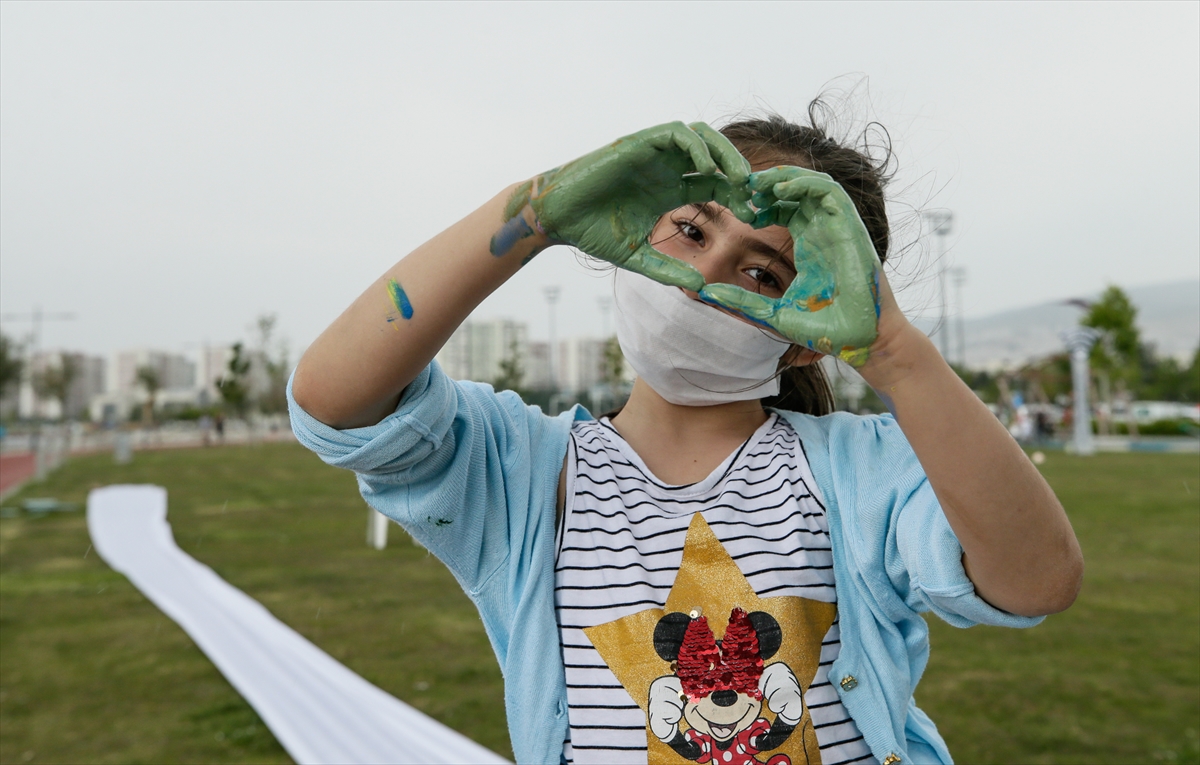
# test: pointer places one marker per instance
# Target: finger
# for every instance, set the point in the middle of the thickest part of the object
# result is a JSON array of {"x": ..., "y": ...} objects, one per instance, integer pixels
[
  {"x": 680, "y": 136},
  {"x": 699, "y": 189},
  {"x": 826, "y": 190},
  {"x": 739, "y": 205},
  {"x": 764, "y": 199},
  {"x": 765, "y": 179},
  {"x": 757, "y": 308},
  {"x": 787, "y": 214},
  {"x": 729, "y": 160},
  {"x": 664, "y": 269},
  {"x": 773, "y": 175}
]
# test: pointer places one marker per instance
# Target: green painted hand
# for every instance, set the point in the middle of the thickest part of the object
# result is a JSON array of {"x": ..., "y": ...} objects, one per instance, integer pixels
[
  {"x": 832, "y": 306},
  {"x": 607, "y": 203}
]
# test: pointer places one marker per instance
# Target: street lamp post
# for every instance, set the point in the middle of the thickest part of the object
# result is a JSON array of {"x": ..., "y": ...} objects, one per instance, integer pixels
[
  {"x": 552, "y": 294},
  {"x": 1080, "y": 341},
  {"x": 941, "y": 221},
  {"x": 960, "y": 278},
  {"x": 605, "y": 303}
]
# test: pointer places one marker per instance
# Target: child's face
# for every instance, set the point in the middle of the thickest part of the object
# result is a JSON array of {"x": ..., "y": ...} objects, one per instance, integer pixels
[{"x": 726, "y": 250}]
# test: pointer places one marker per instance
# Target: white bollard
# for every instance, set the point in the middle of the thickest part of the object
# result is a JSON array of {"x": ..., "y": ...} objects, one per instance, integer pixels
[
  {"x": 377, "y": 529},
  {"x": 123, "y": 447},
  {"x": 1080, "y": 341},
  {"x": 41, "y": 458}
]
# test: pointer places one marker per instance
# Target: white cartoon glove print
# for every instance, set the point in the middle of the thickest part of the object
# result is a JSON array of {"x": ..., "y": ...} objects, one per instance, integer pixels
[
  {"x": 666, "y": 708},
  {"x": 781, "y": 691}
]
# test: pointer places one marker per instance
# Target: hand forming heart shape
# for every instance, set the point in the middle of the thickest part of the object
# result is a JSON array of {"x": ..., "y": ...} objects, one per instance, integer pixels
[
  {"x": 833, "y": 304},
  {"x": 607, "y": 202}
]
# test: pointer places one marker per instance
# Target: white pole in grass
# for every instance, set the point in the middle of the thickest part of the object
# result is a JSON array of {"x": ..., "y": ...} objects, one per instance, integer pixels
[
  {"x": 377, "y": 529},
  {"x": 1080, "y": 341}
]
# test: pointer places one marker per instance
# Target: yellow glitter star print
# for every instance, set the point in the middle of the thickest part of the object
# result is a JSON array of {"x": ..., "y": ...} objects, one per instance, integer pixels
[{"x": 709, "y": 582}]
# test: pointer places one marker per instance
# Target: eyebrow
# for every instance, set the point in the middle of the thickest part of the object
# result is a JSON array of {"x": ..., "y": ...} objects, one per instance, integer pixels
[{"x": 714, "y": 213}]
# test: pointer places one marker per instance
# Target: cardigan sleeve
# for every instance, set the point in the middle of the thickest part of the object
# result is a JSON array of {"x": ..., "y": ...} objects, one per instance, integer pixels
[
  {"x": 896, "y": 527},
  {"x": 469, "y": 472}
]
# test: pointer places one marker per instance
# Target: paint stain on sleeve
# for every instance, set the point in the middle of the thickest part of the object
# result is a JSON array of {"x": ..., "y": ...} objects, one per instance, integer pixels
[{"x": 399, "y": 299}]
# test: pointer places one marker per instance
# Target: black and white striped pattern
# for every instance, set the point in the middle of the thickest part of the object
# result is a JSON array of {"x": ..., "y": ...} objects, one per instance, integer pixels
[{"x": 620, "y": 546}]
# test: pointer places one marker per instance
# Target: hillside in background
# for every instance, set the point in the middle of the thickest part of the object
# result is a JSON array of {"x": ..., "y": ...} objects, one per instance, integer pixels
[{"x": 1168, "y": 316}]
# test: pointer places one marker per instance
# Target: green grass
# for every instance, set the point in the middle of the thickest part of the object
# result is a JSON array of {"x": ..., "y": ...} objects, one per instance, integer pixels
[
  {"x": 1117, "y": 677},
  {"x": 91, "y": 672}
]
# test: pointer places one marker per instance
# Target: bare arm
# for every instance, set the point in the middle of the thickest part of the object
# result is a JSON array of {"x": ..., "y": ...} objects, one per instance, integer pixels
[
  {"x": 1019, "y": 548},
  {"x": 354, "y": 373},
  {"x": 605, "y": 203}
]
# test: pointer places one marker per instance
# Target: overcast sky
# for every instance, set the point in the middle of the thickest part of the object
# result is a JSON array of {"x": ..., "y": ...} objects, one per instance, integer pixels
[{"x": 170, "y": 171}]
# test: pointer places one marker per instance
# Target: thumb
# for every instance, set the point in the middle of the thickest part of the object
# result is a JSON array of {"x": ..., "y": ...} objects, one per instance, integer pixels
[
  {"x": 757, "y": 308},
  {"x": 663, "y": 269}
]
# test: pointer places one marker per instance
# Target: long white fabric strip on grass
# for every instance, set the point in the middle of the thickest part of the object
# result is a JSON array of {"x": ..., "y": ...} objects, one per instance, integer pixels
[{"x": 319, "y": 710}]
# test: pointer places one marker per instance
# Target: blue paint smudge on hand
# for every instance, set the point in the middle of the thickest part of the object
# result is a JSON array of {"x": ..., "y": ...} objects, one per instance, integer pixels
[
  {"x": 509, "y": 234},
  {"x": 399, "y": 299}
]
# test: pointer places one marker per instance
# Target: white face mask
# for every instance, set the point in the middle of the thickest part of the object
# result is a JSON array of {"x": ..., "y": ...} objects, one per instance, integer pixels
[{"x": 690, "y": 353}]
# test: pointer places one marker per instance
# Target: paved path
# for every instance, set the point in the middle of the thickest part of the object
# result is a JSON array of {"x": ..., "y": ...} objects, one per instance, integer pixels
[{"x": 15, "y": 469}]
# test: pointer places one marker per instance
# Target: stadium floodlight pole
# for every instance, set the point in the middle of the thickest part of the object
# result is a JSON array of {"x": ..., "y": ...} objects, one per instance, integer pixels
[
  {"x": 552, "y": 294},
  {"x": 605, "y": 303},
  {"x": 37, "y": 317},
  {"x": 1080, "y": 341},
  {"x": 960, "y": 278},
  {"x": 35, "y": 339},
  {"x": 941, "y": 221}
]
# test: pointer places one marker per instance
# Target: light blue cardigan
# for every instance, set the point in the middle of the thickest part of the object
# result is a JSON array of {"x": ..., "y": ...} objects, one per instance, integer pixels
[{"x": 473, "y": 475}]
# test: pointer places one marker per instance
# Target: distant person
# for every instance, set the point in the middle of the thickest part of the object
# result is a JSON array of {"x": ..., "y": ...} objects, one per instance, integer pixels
[
  {"x": 1044, "y": 427},
  {"x": 206, "y": 425},
  {"x": 219, "y": 423},
  {"x": 723, "y": 569}
]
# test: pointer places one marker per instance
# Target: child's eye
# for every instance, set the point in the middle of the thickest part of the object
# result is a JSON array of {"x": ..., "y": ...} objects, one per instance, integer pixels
[
  {"x": 691, "y": 231},
  {"x": 764, "y": 278}
]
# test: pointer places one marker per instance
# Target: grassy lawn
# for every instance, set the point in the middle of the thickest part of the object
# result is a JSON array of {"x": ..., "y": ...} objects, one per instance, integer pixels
[
  {"x": 91, "y": 672},
  {"x": 1117, "y": 677}
]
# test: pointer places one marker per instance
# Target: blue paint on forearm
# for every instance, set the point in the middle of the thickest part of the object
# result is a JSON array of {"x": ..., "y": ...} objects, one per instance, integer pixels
[
  {"x": 509, "y": 234},
  {"x": 400, "y": 299}
]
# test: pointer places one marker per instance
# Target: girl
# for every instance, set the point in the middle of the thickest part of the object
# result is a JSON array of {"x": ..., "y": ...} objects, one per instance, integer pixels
[{"x": 724, "y": 571}]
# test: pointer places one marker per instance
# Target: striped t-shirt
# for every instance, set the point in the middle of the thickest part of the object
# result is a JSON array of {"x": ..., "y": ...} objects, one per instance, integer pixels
[{"x": 649, "y": 577}]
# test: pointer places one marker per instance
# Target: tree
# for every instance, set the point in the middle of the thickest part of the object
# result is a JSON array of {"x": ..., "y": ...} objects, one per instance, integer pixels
[
  {"x": 1115, "y": 356},
  {"x": 54, "y": 382},
  {"x": 276, "y": 366},
  {"x": 232, "y": 385},
  {"x": 614, "y": 363},
  {"x": 512, "y": 374},
  {"x": 149, "y": 378},
  {"x": 1190, "y": 389},
  {"x": 11, "y": 364},
  {"x": 1114, "y": 315}
]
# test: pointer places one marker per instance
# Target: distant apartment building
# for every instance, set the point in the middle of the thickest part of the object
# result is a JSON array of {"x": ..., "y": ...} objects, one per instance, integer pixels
[
  {"x": 124, "y": 391},
  {"x": 212, "y": 364},
  {"x": 35, "y": 397},
  {"x": 476, "y": 348},
  {"x": 537, "y": 366},
  {"x": 175, "y": 371},
  {"x": 580, "y": 363}
]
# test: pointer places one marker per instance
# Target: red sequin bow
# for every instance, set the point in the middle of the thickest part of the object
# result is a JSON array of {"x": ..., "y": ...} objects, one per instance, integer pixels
[{"x": 735, "y": 665}]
